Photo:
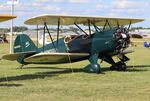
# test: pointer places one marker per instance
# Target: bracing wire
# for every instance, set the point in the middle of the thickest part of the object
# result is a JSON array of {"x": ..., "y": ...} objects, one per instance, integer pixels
[
  {"x": 69, "y": 58},
  {"x": 132, "y": 48}
]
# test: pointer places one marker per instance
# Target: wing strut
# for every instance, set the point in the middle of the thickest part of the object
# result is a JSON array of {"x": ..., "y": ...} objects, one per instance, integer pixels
[
  {"x": 118, "y": 24},
  {"x": 129, "y": 25},
  {"x": 58, "y": 31},
  {"x": 45, "y": 25},
  {"x": 105, "y": 26},
  {"x": 37, "y": 36},
  {"x": 89, "y": 24},
  {"x": 96, "y": 28},
  {"x": 44, "y": 39},
  {"x": 80, "y": 28},
  {"x": 107, "y": 23}
]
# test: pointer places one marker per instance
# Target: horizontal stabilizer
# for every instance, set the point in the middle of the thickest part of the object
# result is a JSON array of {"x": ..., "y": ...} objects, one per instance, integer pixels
[
  {"x": 55, "y": 57},
  {"x": 15, "y": 56}
]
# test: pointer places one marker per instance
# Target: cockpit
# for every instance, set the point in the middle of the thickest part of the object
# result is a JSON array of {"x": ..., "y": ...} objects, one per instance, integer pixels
[{"x": 69, "y": 38}]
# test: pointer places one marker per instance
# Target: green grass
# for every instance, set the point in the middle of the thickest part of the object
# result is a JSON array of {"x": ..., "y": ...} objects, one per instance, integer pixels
[{"x": 59, "y": 83}]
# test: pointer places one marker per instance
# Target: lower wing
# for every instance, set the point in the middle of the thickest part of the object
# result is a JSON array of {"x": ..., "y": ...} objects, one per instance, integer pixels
[{"x": 55, "y": 57}]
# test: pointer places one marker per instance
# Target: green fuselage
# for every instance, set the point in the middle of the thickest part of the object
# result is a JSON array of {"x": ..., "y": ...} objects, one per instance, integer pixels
[{"x": 99, "y": 43}]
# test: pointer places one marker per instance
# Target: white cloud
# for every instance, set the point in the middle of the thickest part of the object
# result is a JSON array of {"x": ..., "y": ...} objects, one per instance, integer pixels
[
  {"x": 35, "y": 4},
  {"x": 136, "y": 11},
  {"x": 126, "y": 4},
  {"x": 128, "y": 8},
  {"x": 78, "y": 1},
  {"x": 61, "y": 1},
  {"x": 101, "y": 6},
  {"x": 44, "y": 1},
  {"x": 64, "y": 13},
  {"x": 23, "y": 7},
  {"x": 113, "y": 8},
  {"x": 113, "y": 14},
  {"x": 58, "y": 0},
  {"x": 51, "y": 8},
  {"x": 4, "y": 8},
  {"x": 147, "y": 19}
]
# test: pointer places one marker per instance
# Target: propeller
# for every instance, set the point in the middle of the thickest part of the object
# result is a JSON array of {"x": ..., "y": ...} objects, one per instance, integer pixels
[{"x": 123, "y": 39}]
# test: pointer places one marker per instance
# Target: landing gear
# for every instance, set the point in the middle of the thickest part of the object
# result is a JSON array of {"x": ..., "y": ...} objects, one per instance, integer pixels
[
  {"x": 119, "y": 66},
  {"x": 21, "y": 66},
  {"x": 93, "y": 67}
]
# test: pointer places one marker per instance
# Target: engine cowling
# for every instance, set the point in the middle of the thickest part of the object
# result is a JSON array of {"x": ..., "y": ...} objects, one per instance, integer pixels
[{"x": 122, "y": 38}]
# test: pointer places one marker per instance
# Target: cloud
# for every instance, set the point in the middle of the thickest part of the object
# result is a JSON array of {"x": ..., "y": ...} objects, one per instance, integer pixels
[
  {"x": 51, "y": 8},
  {"x": 50, "y": 1},
  {"x": 128, "y": 8},
  {"x": 4, "y": 8},
  {"x": 126, "y": 4},
  {"x": 78, "y": 1},
  {"x": 113, "y": 8},
  {"x": 136, "y": 11},
  {"x": 101, "y": 6},
  {"x": 113, "y": 14},
  {"x": 61, "y": 1}
]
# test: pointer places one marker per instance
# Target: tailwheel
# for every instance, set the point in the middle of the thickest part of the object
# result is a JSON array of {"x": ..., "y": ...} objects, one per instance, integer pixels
[
  {"x": 21, "y": 66},
  {"x": 119, "y": 66}
]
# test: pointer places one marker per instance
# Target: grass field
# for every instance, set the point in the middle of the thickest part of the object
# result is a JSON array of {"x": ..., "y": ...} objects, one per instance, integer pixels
[{"x": 67, "y": 82}]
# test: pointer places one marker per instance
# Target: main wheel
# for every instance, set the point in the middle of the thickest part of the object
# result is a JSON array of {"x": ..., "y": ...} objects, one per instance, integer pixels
[
  {"x": 113, "y": 68},
  {"x": 121, "y": 66}
]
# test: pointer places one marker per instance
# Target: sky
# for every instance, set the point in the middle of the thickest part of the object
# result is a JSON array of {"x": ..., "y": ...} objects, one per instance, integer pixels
[{"x": 109, "y": 8}]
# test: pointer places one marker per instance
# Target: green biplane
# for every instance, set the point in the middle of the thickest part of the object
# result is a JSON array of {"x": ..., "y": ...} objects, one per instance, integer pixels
[{"x": 109, "y": 39}]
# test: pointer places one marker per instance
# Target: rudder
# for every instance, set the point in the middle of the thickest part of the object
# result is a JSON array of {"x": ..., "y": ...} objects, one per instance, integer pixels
[{"x": 24, "y": 44}]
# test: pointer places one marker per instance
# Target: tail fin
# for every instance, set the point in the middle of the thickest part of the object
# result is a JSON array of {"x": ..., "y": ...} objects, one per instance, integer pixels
[{"x": 24, "y": 44}]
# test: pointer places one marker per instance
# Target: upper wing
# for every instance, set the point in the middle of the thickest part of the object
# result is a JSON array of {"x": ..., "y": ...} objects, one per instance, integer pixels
[
  {"x": 15, "y": 56},
  {"x": 6, "y": 17},
  {"x": 70, "y": 20},
  {"x": 55, "y": 57}
]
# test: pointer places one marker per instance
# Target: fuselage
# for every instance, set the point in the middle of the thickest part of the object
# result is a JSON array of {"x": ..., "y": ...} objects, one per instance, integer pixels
[
  {"x": 96, "y": 42},
  {"x": 99, "y": 42}
]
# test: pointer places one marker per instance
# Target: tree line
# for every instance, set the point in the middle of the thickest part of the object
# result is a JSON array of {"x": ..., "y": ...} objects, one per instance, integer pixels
[
  {"x": 23, "y": 28},
  {"x": 15, "y": 29}
]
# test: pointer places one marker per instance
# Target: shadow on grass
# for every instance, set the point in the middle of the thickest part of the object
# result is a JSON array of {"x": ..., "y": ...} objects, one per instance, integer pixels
[
  {"x": 27, "y": 67},
  {"x": 138, "y": 66},
  {"x": 136, "y": 70},
  {"x": 131, "y": 69},
  {"x": 24, "y": 77},
  {"x": 10, "y": 85},
  {"x": 42, "y": 75}
]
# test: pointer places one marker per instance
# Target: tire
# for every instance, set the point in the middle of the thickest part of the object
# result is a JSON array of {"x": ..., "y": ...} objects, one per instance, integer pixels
[{"x": 121, "y": 66}]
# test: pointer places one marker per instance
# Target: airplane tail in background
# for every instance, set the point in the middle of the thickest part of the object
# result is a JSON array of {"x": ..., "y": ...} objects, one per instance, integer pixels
[
  {"x": 41, "y": 37},
  {"x": 24, "y": 44}
]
